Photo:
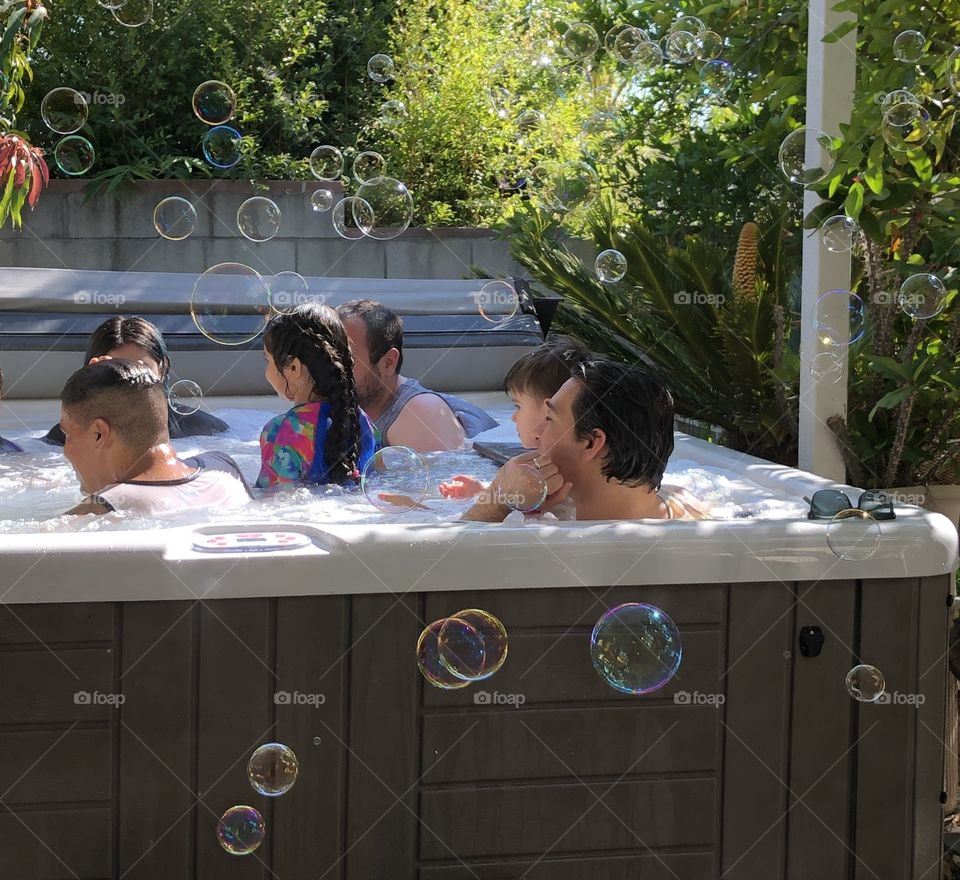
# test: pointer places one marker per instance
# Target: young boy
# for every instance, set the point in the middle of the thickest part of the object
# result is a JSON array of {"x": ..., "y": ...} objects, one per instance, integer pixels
[{"x": 529, "y": 383}]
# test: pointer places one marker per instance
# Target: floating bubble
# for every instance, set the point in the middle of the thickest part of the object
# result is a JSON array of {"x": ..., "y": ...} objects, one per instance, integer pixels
[
  {"x": 610, "y": 40},
  {"x": 648, "y": 56},
  {"x": 497, "y": 300},
  {"x": 493, "y": 636},
  {"x": 393, "y": 112},
  {"x": 602, "y": 132},
  {"x": 351, "y": 218},
  {"x": 272, "y": 769},
  {"x": 709, "y": 45},
  {"x": 853, "y": 535},
  {"x": 321, "y": 200},
  {"x": 529, "y": 488},
  {"x": 807, "y": 156},
  {"x": 134, "y": 13},
  {"x": 222, "y": 146},
  {"x": 428, "y": 653},
  {"x": 922, "y": 296},
  {"x": 628, "y": 44},
  {"x": 953, "y": 70},
  {"x": 716, "y": 77},
  {"x": 681, "y": 46},
  {"x": 326, "y": 163},
  {"x": 522, "y": 79},
  {"x": 839, "y": 233},
  {"x": 241, "y": 830},
  {"x": 908, "y": 46},
  {"x": 865, "y": 683},
  {"x": 111, "y": 4},
  {"x": 839, "y": 318},
  {"x": 636, "y": 648},
  {"x": 610, "y": 266},
  {"x": 287, "y": 290},
  {"x": 185, "y": 397},
  {"x": 575, "y": 186},
  {"x": 391, "y": 204},
  {"x": 528, "y": 121},
  {"x": 906, "y": 127},
  {"x": 380, "y": 68},
  {"x": 397, "y": 472},
  {"x": 258, "y": 218},
  {"x": 898, "y": 96},
  {"x": 827, "y": 368},
  {"x": 368, "y": 165},
  {"x": 214, "y": 102},
  {"x": 74, "y": 155},
  {"x": 175, "y": 218},
  {"x": 230, "y": 303},
  {"x": 64, "y": 111},
  {"x": 461, "y": 649},
  {"x": 580, "y": 41},
  {"x": 689, "y": 24}
]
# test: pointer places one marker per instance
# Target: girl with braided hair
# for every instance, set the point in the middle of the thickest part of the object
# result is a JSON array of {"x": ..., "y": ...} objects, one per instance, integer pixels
[{"x": 325, "y": 437}]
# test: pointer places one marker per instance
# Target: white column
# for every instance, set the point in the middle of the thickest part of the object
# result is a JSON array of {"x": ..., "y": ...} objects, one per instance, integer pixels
[{"x": 831, "y": 72}]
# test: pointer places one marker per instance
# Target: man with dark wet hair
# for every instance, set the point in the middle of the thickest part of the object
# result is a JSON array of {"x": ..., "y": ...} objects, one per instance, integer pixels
[{"x": 114, "y": 416}]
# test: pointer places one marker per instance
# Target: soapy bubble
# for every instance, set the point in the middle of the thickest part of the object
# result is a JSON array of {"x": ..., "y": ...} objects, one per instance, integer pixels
[
  {"x": 827, "y": 368},
  {"x": 602, "y": 133},
  {"x": 716, "y": 77},
  {"x": 610, "y": 40},
  {"x": 529, "y": 120},
  {"x": 575, "y": 186},
  {"x": 230, "y": 303},
  {"x": 898, "y": 96},
  {"x": 185, "y": 397},
  {"x": 326, "y": 163},
  {"x": 380, "y": 68},
  {"x": 580, "y": 41},
  {"x": 865, "y": 683},
  {"x": 352, "y": 218},
  {"x": 393, "y": 112},
  {"x": 648, "y": 56},
  {"x": 428, "y": 653},
  {"x": 214, "y": 102},
  {"x": 134, "y": 13},
  {"x": 457, "y": 646},
  {"x": 241, "y": 830},
  {"x": 610, "y": 266},
  {"x": 258, "y": 219},
  {"x": 111, "y": 4},
  {"x": 391, "y": 204},
  {"x": 321, "y": 201},
  {"x": 497, "y": 300},
  {"x": 709, "y": 45},
  {"x": 222, "y": 146},
  {"x": 688, "y": 24},
  {"x": 368, "y": 165},
  {"x": 839, "y": 233},
  {"x": 922, "y": 296},
  {"x": 64, "y": 110},
  {"x": 839, "y": 318},
  {"x": 627, "y": 44},
  {"x": 522, "y": 79},
  {"x": 906, "y": 127},
  {"x": 272, "y": 769},
  {"x": 287, "y": 291},
  {"x": 399, "y": 474},
  {"x": 528, "y": 488},
  {"x": 175, "y": 218},
  {"x": 908, "y": 46},
  {"x": 636, "y": 648},
  {"x": 853, "y": 535},
  {"x": 807, "y": 156},
  {"x": 681, "y": 47},
  {"x": 74, "y": 155}
]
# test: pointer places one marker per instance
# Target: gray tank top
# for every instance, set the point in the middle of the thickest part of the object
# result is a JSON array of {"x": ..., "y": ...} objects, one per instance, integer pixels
[{"x": 472, "y": 419}]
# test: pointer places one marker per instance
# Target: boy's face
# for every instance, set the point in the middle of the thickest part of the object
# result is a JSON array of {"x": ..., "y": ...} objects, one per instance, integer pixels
[{"x": 528, "y": 413}]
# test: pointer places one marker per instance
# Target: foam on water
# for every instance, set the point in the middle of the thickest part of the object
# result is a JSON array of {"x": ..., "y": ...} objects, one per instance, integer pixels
[{"x": 36, "y": 488}]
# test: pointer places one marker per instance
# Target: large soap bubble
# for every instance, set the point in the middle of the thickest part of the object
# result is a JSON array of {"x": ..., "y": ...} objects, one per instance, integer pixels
[
  {"x": 610, "y": 266},
  {"x": 393, "y": 112},
  {"x": 74, "y": 155},
  {"x": 682, "y": 46},
  {"x": 520, "y": 79},
  {"x": 717, "y": 77},
  {"x": 392, "y": 207},
  {"x": 497, "y": 300},
  {"x": 636, "y": 648},
  {"x": 575, "y": 186},
  {"x": 922, "y": 296},
  {"x": 688, "y": 24},
  {"x": 222, "y": 146},
  {"x": 865, "y": 683},
  {"x": 897, "y": 96},
  {"x": 709, "y": 45},
  {"x": 472, "y": 644},
  {"x": 906, "y": 127},
  {"x": 175, "y": 218},
  {"x": 64, "y": 110},
  {"x": 214, "y": 102},
  {"x": 627, "y": 44},
  {"x": 272, "y": 769},
  {"x": 839, "y": 318},
  {"x": 326, "y": 163},
  {"x": 853, "y": 535},
  {"x": 908, "y": 46},
  {"x": 428, "y": 654},
  {"x": 321, "y": 200},
  {"x": 351, "y": 218},
  {"x": 185, "y": 397},
  {"x": 258, "y": 219},
  {"x": 381, "y": 68},
  {"x": 133, "y": 13},
  {"x": 367, "y": 165},
  {"x": 839, "y": 233},
  {"x": 287, "y": 291},
  {"x": 580, "y": 41},
  {"x": 827, "y": 368},
  {"x": 241, "y": 830},
  {"x": 230, "y": 303},
  {"x": 807, "y": 156},
  {"x": 395, "y": 479}
]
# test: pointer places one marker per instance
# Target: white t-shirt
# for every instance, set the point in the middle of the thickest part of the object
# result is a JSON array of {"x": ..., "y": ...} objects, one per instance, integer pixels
[{"x": 217, "y": 482}]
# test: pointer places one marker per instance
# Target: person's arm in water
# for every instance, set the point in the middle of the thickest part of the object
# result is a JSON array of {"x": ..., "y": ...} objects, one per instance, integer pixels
[
  {"x": 89, "y": 505},
  {"x": 426, "y": 424}
]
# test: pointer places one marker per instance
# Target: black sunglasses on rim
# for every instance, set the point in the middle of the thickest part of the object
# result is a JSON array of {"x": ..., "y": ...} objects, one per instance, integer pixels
[{"x": 827, "y": 503}]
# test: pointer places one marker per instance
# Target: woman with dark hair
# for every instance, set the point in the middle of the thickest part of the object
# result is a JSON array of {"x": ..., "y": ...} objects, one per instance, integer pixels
[
  {"x": 325, "y": 437},
  {"x": 136, "y": 339},
  {"x": 6, "y": 445}
]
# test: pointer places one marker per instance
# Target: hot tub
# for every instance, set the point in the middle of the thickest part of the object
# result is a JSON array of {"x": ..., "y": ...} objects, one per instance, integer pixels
[{"x": 141, "y": 669}]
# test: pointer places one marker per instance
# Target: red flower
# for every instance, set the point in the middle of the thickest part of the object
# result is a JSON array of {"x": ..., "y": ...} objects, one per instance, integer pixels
[{"x": 23, "y": 175}]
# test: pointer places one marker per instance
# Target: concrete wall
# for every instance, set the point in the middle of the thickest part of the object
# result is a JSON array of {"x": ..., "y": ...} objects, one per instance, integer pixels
[{"x": 116, "y": 232}]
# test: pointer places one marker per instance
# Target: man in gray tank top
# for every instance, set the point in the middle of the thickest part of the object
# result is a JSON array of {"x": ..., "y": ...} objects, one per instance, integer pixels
[{"x": 404, "y": 413}]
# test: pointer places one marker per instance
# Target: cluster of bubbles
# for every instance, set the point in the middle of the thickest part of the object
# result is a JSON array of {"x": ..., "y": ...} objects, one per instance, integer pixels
[
  {"x": 129, "y": 13},
  {"x": 272, "y": 771},
  {"x": 636, "y": 648},
  {"x": 65, "y": 111},
  {"x": 466, "y": 647}
]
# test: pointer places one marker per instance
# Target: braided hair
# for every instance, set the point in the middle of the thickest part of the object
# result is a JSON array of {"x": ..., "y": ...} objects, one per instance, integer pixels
[{"x": 314, "y": 334}]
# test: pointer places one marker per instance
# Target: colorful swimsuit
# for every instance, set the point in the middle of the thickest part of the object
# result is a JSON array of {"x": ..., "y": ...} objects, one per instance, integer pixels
[{"x": 291, "y": 446}]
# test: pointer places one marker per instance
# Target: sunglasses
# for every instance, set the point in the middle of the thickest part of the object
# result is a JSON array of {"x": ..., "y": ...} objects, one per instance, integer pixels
[{"x": 827, "y": 503}]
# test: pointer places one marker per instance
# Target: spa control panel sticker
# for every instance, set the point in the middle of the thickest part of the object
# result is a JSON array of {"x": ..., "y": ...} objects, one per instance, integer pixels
[{"x": 250, "y": 542}]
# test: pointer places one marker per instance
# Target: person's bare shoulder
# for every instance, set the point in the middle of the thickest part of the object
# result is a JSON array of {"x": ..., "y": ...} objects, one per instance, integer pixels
[{"x": 426, "y": 424}]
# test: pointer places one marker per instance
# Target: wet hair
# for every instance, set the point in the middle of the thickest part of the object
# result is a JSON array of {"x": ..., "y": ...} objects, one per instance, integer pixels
[
  {"x": 384, "y": 327},
  {"x": 128, "y": 330},
  {"x": 128, "y": 395},
  {"x": 546, "y": 368},
  {"x": 314, "y": 334},
  {"x": 635, "y": 411}
]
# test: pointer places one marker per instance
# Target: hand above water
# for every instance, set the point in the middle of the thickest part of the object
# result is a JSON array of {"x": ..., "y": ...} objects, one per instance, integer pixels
[{"x": 461, "y": 486}]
